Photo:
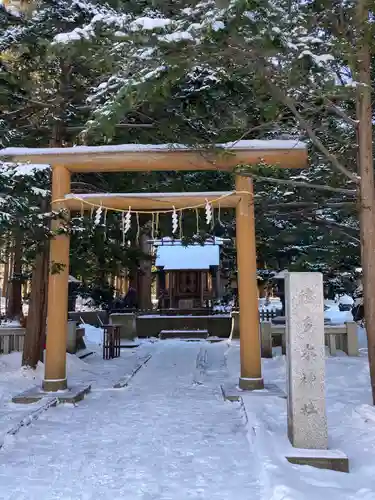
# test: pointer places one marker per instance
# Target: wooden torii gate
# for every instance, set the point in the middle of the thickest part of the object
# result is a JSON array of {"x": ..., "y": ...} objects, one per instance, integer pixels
[{"x": 84, "y": 159}]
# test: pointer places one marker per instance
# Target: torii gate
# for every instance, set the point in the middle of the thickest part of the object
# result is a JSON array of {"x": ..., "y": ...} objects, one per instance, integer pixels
[{"x": 65, "y": 161}]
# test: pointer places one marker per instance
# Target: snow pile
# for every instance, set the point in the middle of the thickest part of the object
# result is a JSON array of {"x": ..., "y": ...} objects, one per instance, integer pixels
[
  {"x": 15, "y": 379},
  {"x": 75, "y": 365},
  {"x": 335, "y": 316},
  {"x": 10, "y": 368},
  {"x": 10, "y": 324},
  {"x": 351, "y": 426},
  {"x": 93, "y": 335},
  {"x": 362, "y": 339},
  {"x": 346, "y": 300}
]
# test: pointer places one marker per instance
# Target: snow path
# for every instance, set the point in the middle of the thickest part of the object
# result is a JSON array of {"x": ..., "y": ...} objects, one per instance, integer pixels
[
  {"x": 14, "y": 379},
  {"x": 168, "y": 436}
]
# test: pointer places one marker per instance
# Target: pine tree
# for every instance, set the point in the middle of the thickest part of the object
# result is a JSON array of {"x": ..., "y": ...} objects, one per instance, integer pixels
[
  {"x": 197, "y": 53},
  {"x": 44, "y": 104}
]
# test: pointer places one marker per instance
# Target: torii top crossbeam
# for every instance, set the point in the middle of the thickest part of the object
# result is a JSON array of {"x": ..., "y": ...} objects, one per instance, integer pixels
[{"x": 143, "y": 157}]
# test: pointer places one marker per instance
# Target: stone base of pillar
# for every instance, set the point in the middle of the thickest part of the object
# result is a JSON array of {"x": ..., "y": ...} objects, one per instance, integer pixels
[
  {"x": 234, "y": 393},
  {"x": 320, "y": 459},
  {"x": 250, "y": 384},
  {"x": 35, "y": 394},
  {"x": 54, "y": 385}
]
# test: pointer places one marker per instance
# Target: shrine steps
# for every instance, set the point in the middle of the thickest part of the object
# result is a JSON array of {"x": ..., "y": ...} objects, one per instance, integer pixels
[{"x": 189, "y": 335}]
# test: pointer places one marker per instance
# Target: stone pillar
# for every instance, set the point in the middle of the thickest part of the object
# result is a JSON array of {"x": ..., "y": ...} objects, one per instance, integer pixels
[
  {"x": 352, "y": 339},
  {"x": 251, "y": 371},
  {"x": 57, "y": 321},
  {"x": 307, "y": 421},
  {"x": 266, "y": 339},
  {"x": 127, "y": 322},
  {"x": 71, "y": 344},
  {"x": 235, "y": 315}
]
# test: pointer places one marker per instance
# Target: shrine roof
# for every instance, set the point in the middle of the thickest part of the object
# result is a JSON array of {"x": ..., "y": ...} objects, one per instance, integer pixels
[{"x": 192, "y": 257}]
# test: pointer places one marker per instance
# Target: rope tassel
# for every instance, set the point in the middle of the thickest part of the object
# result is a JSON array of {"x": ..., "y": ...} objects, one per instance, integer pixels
[
  {"x": 123, "y": 228},
  {"x": 208, "y": 209},
  {"x": 127, "y": 220},
  {"x": 174, "y": 221},
  {"x": 98, "y": 216}
]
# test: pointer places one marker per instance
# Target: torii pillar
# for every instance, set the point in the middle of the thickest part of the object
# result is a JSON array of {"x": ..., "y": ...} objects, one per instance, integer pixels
[
  {"x": 251, "y": 369},
  {"x": 57, "y": 321}
]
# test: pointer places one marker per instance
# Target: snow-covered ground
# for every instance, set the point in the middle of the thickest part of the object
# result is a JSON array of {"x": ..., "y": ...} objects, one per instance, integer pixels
[
  {"x": 170, "y": 436},
  {"x": 14, "y": 379},
  {"x": 351, "y": 428}
]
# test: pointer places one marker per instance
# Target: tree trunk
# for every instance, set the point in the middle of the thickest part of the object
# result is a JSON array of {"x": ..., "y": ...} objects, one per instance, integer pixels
[
  {"x": 133, "y": 278},
  {"x": 9, "y": 283},
  {"x": 145, "y": 278},
  {"x": 4, "y": 290},
  {"x": 14, "y": 310},
  {"x": 36, "y": 320},
  {"x": 366, "y": 188},
  {"x": 36, "y": 326},
  {"x": 112, "y": 280}
]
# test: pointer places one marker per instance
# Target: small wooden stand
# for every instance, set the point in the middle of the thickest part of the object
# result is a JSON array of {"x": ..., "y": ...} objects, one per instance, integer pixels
[{"x": 111, "y": 341}]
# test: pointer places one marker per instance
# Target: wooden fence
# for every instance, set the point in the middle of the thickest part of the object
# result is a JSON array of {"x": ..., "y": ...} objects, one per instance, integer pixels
[
  {"x": 337, "y": 337},
  {"x": 11, "y": 339},
  {"x": 268, "y": 315}
]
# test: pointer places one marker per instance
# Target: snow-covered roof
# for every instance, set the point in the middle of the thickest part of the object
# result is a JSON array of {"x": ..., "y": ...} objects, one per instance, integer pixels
[
  {"x": 273, "y": 144},
  {"x": 72, "y": 279},
  {"x": 281, "y": 275},
  {"x": 167, "y": 240},
  {"x": 177, "y": 257}
]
